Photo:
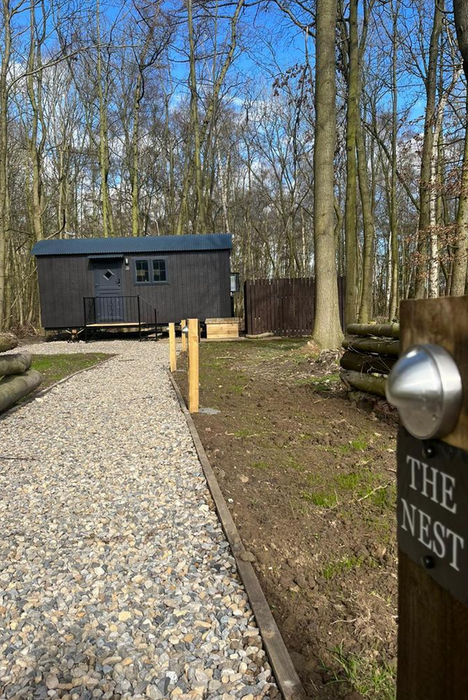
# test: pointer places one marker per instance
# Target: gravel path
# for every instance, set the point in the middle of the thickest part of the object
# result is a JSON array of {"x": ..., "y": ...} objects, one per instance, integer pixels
[{"x": 116, "y": 580}]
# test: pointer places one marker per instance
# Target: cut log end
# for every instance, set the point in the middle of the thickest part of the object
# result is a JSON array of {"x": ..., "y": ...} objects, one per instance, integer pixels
[
  {"x": 17, "y": 386},
  {"x": 8, "y": 341}
]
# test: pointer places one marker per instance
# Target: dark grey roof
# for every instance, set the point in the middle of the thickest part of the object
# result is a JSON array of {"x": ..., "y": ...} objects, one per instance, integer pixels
[
  {"x": 106, "y": 256},
  {"x": 137, "y": 244}
]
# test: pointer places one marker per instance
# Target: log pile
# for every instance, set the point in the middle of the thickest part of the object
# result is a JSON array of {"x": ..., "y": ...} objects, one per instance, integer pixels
[
  {"x": 371, "y": 351},
  {"x": 17, "y": 379}
]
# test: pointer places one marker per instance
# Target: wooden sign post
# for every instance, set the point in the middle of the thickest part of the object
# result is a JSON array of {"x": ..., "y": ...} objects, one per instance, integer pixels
[
  {"x": 193, "y": 365},
  {"x": 184, "y": 337},
  {"x": 433, "y": 526},
  {"x": 172, "y": 347}
]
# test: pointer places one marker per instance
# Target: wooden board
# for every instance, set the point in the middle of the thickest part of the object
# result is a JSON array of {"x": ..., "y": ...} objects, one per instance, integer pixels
[
  {"x": 222, "y": 330},
  {"x": 232, "y": 319},
  {"x": 172, "y": 347},
  {"x": 193, "y": 365},
  {"x": 433, "y": 626}
]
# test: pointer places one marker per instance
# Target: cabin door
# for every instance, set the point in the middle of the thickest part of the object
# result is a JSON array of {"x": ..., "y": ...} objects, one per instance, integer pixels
[{"x": 108, "y": 291}]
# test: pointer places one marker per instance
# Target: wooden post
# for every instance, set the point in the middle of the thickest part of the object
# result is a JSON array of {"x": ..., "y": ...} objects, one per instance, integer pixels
[
  {"x": 433, "y": 624},
  {"x": 184, "y": 337},
  {"x": 193, "y": 365},
  {"x": 172, "y": 347}
]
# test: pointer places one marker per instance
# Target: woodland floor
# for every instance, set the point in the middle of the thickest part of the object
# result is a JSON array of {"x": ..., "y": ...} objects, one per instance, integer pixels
[{"x": 310, "y": 480}]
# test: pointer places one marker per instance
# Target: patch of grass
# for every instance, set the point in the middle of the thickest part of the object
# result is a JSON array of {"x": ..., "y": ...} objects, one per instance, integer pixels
[
  {"x": 244, "y": 433},
  {"x": 359, "y": 444},
  {"x": 262, "y": 465},
  {"x": 333, "y": 377},
  {"x": 384, "y": 498},
  {"x": 321, "y": 384},
  {"x": 300, "y": 358},
  {"x": 324, "y": 500},
  {"x": 382, "y": 526},
  {"x": 56, "y": 367},
  {"x": 314, "y": 479},
  {"x": 370, "y": 679},
  {"x": 239, "y": 383},
  {"x": 292, "y": 463},
  {"x": 362, "y": 483},
  {"x": 349, "y": 481},
  {"x": 280, "y": 346},
  {"x": 236, "y": 389},
  {"x": 340, "y": 566}
]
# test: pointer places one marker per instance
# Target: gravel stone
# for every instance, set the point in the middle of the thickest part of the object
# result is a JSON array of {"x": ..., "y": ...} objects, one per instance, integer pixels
[{"x": 116, "y": 580}]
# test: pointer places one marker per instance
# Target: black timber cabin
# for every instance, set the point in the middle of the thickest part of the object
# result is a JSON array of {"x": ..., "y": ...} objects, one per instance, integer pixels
[{"x": 137, "y": 281}]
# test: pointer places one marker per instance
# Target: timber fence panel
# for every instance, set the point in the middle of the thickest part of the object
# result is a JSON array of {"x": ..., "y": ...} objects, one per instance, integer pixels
[{"x": 284, "y": 307}]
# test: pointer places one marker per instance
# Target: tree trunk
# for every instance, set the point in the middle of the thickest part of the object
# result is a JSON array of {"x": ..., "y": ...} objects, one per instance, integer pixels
[
  {"x": 327, "y": 328},
  {"x": 460, "y": 8},
  {"x": 4, "y": 223},
  {"x": 351, "y": 303},
  {"x": 461, "y": 252},
  {"x": 36, "y": 140},
  {"x": 427, "y": 152},
  {"x": 135, "y": 155},
  {"x": 435, "y": 188},
  {"x": 104, "y": 158},
  {"x": 365, "y": 307},
  {"x": 393, "y": 247},
  {"x": 195, "y": 126},
  {"x": 13, "y": 388}
]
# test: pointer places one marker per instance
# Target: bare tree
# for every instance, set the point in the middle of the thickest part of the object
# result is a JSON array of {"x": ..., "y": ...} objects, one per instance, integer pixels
[{"x": 327, "y": 329}]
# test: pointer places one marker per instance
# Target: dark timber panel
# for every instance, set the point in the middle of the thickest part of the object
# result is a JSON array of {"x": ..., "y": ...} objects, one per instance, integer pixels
[
  {"x": 283, "y": 306},
  {"x": 63, "y": 282},
  {"x": 197, "y": 286}
]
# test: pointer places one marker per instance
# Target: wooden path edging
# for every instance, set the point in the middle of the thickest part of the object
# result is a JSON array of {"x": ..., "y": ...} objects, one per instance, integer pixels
[
  {"x": 283, "y": 669},
  {"x": 45, "y": 391}
]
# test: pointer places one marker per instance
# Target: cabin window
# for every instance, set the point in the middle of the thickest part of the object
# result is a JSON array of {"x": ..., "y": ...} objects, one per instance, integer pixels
[
  {"x": 150, "y": 271},
  {"x": 159, "y": 271},
  {"x": 142, "y": 271}
]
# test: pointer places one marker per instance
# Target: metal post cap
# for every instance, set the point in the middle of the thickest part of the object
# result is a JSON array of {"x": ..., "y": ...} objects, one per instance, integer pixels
[{"x": 426, "y": 388}]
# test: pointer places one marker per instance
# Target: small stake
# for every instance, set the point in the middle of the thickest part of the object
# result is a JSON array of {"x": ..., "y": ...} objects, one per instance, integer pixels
[
  {"x": 193, "y": 364},
  {"x": 172, "y": 347}
]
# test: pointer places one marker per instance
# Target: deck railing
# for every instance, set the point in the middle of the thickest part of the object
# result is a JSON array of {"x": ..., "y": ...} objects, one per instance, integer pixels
[{"x": 119, "y": 311}]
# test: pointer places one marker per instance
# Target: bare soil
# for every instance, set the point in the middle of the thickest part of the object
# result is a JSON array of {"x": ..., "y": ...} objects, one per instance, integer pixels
[{"x": 309, "y": 477}]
